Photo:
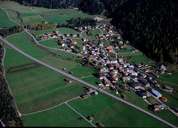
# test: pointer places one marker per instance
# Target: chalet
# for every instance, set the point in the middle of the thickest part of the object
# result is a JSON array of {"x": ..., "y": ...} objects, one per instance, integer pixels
[
  {"x": 139, "y": 88},
  {"x": 163, "y": 69},
  {"x": 74, "y": 36},
  {"x": 163, "y": 99},
  {"x": 155, "y": 93},
  {"x": 141, "y": 93},
  {"x": 109, "y": 49}
]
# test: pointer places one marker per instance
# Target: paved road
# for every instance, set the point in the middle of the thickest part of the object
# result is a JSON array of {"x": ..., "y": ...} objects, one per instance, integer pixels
[
  {"x": 2, "y": 124},
  {"x": 170, "y": 109},
  {"x": 85, "y": 83}
]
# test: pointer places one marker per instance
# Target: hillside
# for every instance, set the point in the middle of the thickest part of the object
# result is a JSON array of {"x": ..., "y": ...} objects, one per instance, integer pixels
[
  {"x": 150, "y": 25},
  {"x": 51, "y": 3}
]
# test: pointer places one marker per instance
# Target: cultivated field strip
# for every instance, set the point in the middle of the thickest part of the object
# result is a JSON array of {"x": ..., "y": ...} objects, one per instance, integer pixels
[{"x": 87, "y": 84}]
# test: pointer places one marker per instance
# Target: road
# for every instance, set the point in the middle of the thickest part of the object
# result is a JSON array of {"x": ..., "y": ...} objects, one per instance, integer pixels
[
  {"x": 85, "y": 83},
  {"x": 171, "y": 110},
  {"x": 78, "y": 113},
  {"x": 2, "y": 124},
  {"x": 50, "y": 108},
  {"x": 157, "y": 99},
  {"x": 55, "y": 49}
]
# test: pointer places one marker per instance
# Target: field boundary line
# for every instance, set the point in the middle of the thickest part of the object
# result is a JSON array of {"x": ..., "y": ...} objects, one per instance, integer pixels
[
  {"x": 59, "y": 88},
  {"x": 50, "y": 108},
  {"x": 84, "y": 77},
  {"x": 78, "y": 113},
  {"x": 88, "y": 84},
  {"x": 9, "y": 88},
  {"x": 9, "y": 16}
]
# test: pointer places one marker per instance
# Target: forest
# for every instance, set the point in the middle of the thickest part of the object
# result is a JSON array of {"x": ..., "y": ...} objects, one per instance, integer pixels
[{"x": 151, "y": 26}]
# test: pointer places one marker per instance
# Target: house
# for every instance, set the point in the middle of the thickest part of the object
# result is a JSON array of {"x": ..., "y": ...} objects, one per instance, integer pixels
[
  {"x": 75, "y": 35},
  {"x": 75, "y": 43},
  {"x": 109, "y": 49},
  {"x": 141, "y": 93},
  {"x": 155, "y": 93},
  {"x": 163, "y": 99},
  {"x": 167, "y": 89},
  {"x": 139, "y": 88},
  {"x": 157, "y": 107},
  {"x": 163, "y": 69}
]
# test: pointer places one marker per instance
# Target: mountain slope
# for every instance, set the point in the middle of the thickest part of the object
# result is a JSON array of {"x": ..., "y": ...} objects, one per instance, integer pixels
[
  {"x": 150, "y": 25},
  {"x": 51, "y": 3}
]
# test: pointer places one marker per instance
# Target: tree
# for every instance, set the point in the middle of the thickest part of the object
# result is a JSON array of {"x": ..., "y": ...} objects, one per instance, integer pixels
[{"x": 91, "y": 6}]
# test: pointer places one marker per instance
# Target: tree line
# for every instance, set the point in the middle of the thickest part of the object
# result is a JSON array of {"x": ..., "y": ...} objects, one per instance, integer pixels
[{"x": 8, "y": 113}]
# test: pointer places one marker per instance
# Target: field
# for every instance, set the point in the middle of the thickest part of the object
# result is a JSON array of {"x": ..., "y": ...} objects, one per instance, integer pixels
[
  {"x": 172, "y": 81},
  {"x": 117, "y": 114},
  {"x": 46, "y": 98},
  {"x": 64, "y": 15},
  {"x": 61, "y": 60},
  {"x": 32, "y": 96},
  {"x": 37, "y": 87},
  {"x": 52, "y": 43},
  {"x": 35, "y": 15},
  {"x": 5, "y": 22}
]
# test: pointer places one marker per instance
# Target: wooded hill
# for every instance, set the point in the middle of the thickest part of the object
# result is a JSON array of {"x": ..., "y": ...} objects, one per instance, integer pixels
[{"x": 150, "y": 25}]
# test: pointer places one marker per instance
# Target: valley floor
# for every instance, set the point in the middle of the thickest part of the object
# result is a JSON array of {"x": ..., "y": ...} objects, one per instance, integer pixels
[{"x": 46, "y": 97}]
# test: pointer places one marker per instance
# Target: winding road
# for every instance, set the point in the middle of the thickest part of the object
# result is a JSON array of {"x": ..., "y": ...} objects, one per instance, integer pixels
[{"x": 85, "y": 83}]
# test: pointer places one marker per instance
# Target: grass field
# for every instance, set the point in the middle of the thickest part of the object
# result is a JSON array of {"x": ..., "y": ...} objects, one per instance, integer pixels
[
  {"x": 24, "y": 9},
  {"x": 35, "y": 15},
  {"x": 38, "y": 87},
  {"x": 172, "y": 81},
  {"x": 137, "y": 57},
  {"x": 140, "y": 58},
  {"x": 117, "y": 114},
  {"x": 32, "y": 96},
  {"x": 22, "y": 41},
  {"x": 111, "y": 113},
  {"x": 62, "y": 30},
  {"x": 4, "y": 20},
  {"x": 29, "y": 15},
  {"x": 94, "y": 32},
  {"x": 34, "y": 19},
  {"x": 52, "y": 43},
  {"x": 60, "y": 116},
  {"x": 63, "y": 15},
  {"x": 63, "y": 60},
  {"x": 40, "y": 90}
]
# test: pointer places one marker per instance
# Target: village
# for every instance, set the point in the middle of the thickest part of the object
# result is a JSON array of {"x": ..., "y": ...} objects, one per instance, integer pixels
[
  {"x": 88, "y": 63},
  {"x": 113, "y": 69},
  {"x": 114, "y": 72}
]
